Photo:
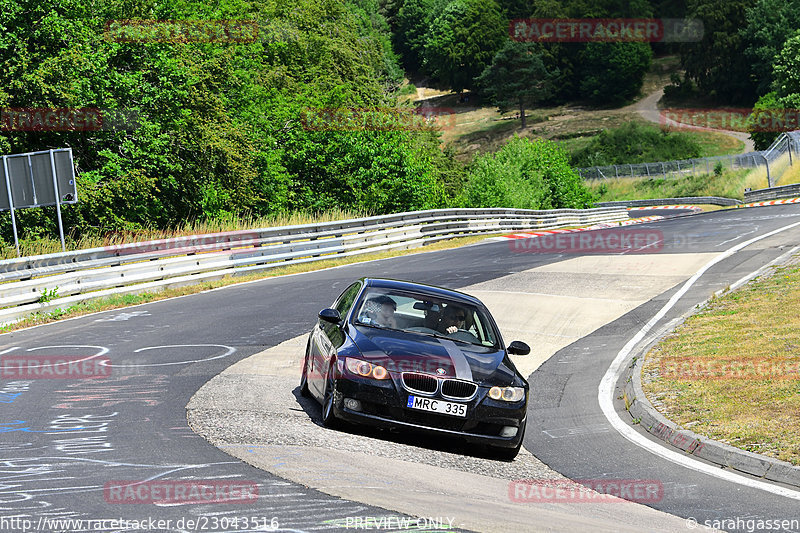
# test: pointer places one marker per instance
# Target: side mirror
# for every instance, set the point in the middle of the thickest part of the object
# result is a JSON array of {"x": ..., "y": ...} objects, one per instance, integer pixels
[
  {"x": 330, "y": 315},
  {"x": 519, "y": 348}
]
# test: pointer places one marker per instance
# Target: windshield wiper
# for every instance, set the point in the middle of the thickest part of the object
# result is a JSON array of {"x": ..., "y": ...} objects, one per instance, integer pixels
[
  {"x": 376, "y": 326},
  {"x": 443, "y": 336}
]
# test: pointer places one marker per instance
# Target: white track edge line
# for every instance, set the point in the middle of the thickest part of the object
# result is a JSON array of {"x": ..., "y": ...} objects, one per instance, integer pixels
[{"x": 606, "y": 391}]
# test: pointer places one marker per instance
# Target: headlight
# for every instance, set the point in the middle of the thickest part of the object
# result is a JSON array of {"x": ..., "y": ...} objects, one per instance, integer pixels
[
  {"x": 507, "y": 394},
  {"x": 365, "y": 369}
]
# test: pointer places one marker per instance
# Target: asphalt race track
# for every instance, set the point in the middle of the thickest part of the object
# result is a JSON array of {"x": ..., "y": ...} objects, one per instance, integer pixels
[
  {"x": 97, "y": 449},
  {"x": 573, "y": 428}
]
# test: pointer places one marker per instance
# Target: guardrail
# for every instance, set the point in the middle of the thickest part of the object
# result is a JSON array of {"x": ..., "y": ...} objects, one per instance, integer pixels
[
  {"x": 773, "y": 193},
  {"x": 47, "y": 282}
]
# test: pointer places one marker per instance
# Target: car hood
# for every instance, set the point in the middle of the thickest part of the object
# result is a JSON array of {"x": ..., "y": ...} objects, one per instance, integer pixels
[{"x": 401, "y": 351}]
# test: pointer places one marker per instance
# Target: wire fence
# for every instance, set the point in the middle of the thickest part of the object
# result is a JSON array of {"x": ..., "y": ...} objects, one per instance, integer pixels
[{"x": 786, "y": 143}]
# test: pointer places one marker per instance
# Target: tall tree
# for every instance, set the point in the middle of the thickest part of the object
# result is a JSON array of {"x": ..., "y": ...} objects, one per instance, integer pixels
[
  {"x": 769, "y": 24},
  {"x": 462, "y": 41},
  {"x": 517, "y": 78},
  {"x": 613, "y": 73},
  {"x": 786, "y": 71},
  {"x": 412, "y": 23},
  {"x": 715, "y": 63},
  {"x": 773, "y": 112}
]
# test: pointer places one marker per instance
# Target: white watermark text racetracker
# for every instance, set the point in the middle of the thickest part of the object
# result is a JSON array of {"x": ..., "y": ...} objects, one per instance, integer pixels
[
  {"x": 395, "y": 523},
  {"x": 196, "y": 523}
]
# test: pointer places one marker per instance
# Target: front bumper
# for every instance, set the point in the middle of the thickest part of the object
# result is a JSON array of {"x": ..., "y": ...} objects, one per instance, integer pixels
[{"x": 384, "y": 404}]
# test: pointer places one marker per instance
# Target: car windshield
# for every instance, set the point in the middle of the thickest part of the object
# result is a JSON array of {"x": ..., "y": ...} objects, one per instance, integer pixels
[{"x": 419, "y": 313}]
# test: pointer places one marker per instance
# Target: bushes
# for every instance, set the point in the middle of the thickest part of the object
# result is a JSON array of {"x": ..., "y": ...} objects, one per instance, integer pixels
[
  {"x": 524, "y": 174},
  {"x": 220, "y": 131},
  {"x": 635, "y": 143}
]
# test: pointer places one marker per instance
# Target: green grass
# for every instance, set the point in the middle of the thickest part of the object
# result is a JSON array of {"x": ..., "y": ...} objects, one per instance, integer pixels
[
  {"x": 732, "y": 371},
  {"x": 713, "y": 143},
  {"x": 637, "y": 142},
  {"x": 730, "y": 184}
]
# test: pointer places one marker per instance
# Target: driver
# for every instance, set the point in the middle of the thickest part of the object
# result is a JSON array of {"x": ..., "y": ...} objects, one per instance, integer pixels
[{"x": 452, "y": 319}]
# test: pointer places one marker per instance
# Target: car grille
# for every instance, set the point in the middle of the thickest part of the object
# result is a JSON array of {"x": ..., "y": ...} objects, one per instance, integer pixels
[
  {"x": 419, "y": 382},
  {"x": 453, "y": 388},
  {"x": 450, "y": 388}
]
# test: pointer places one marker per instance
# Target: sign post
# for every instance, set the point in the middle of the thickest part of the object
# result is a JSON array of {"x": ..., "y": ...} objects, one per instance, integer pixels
[
  {"x": 11, "y": 204},
  {"x": 38, "y": 179}
]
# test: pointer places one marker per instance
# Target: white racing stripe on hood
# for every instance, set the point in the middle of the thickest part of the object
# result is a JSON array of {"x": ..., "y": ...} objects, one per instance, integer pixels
[{"x": 460, "y": 363}]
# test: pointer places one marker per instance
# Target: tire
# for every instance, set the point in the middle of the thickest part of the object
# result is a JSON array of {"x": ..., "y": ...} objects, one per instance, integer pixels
[
  {"x": 304, "y": 379},
  {"x": 329, "y": 419},
  {"x": 506, "y": 454}
]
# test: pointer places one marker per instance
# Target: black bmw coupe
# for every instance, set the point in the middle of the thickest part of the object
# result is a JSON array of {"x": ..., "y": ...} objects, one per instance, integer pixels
[{"x": 401, "y": 355}]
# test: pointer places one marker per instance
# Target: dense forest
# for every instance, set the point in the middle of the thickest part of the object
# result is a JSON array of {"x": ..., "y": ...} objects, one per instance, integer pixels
[{"x": 217, "y": 127}]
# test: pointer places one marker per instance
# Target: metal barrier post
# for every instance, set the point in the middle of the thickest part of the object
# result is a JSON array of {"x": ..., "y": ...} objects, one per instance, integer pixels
[
  {"x": 769, "y": 178},
  {"x": 58, "y": 201},
  {"x": 11, "y": 205}
]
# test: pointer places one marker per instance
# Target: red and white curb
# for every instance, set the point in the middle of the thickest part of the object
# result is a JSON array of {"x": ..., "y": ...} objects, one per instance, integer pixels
[
  {"x": 639, "y": 220},
  {"x": 773, "y": 202},
  {"x": 695, "y": 208},
  {"x": 602, "y": 225}
]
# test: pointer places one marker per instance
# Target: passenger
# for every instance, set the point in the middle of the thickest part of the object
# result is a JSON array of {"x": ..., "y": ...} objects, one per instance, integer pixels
[
  {"x": 452, "y": 319},
  {"x": 380, "y": 310}
]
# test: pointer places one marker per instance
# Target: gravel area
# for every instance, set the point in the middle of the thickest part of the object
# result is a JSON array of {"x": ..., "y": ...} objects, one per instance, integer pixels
[{"x": 236, "y": 409}]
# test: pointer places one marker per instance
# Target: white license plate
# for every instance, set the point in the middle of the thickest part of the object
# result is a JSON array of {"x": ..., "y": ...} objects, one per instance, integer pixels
[{"x": 437, "y": 406}]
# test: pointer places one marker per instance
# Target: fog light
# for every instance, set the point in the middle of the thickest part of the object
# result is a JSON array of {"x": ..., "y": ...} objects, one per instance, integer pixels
[
  {"x": 508, "y": 431},
  {"x": 355, "y": 405}
]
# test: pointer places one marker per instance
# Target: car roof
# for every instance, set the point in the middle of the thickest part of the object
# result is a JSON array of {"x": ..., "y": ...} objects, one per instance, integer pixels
[{"x": 429, "y": 290}]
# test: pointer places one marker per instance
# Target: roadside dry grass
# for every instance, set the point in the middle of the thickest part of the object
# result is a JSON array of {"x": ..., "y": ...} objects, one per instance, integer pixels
[
  {"x": 782, "y": 172},
  {"x": 732, "y": 371},
  {"x": 713, "y": 143},
  {"x": 730, "y": 184},
  {"x": 791, "y": 175},
  {"x": 127, "y": 300}
]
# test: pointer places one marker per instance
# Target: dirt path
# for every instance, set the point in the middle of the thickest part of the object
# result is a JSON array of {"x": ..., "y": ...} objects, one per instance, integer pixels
[
  {"x": 476, "y": 127},
  {"x": 648, "y": 109}
]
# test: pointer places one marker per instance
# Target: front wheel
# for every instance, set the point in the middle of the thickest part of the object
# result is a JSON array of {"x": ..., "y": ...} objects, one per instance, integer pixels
[
  {"x": 506, "y": 454},
  {"x": 304, "y": 379},
  {"x": 329, "y": 419}
]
